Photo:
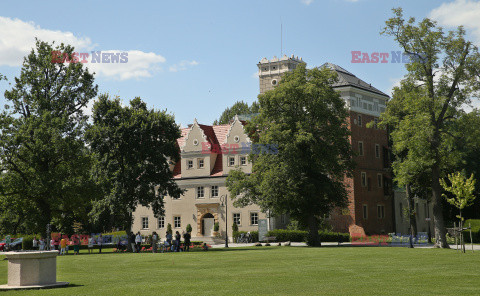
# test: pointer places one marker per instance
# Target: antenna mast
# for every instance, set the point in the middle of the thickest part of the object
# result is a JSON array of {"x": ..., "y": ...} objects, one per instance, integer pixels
[{"x": 281, "y": 38}]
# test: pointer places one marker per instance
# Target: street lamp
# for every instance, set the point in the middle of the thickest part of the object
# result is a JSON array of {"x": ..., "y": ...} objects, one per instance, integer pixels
[{"x": 223, "y": 199}]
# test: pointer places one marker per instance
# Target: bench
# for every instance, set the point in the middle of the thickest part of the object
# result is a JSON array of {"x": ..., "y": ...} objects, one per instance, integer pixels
[{"x": 270, "y": 238}]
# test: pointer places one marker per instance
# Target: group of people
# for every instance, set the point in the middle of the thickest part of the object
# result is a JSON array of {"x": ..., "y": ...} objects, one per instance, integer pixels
[
  {"x": 63, "y": 246},
  {"x": 169, "y": 244}
]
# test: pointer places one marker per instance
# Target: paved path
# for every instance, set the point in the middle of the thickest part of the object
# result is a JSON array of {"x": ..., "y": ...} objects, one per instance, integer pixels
[{"x": 468, "y": 247}]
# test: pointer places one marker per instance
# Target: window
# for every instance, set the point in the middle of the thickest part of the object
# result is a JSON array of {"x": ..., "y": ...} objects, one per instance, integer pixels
[
  {"x": 161, "y": 222},
  {"x": 359, "y": 121},
  {"x": 243, "y": 160},
  {"x": 253, "y": 218},
  {"x": 177, "y": 222},
  {"x": 364, "y": 179},
  {"x": 365, "y": 212},
  {"x": 377, "y": 151},
  {"x": 214, "y": 191},
  {"x": 360, "y": 148},
  {"x": 200, "y": 192},
  {"x": 189, "y": 164},
  {"x": 379, "y": 180},
  {"x": 200, "y": 163},
  {"x": 231, "y": 161},
  {"x": 380, "y": 211},
  {"x": 236, "y": 218},
  {"x": 144, "y": 222}
]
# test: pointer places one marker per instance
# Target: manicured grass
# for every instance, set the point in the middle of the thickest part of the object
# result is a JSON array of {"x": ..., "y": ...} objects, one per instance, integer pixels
[{"x": 268, "y": 271}]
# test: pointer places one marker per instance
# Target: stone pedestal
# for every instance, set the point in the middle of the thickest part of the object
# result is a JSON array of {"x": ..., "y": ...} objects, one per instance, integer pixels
[{"x": 32, "y": 270}]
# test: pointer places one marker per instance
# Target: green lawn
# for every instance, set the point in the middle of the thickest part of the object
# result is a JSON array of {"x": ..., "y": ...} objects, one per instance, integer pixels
[{"x": 270, "y": 270}]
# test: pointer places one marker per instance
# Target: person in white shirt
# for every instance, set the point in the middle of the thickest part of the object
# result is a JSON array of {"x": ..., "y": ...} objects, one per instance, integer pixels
[
  {"x": 138, "y": 241},
  {"x": 52, "y": 244},
  {"x": 90, "y": 245},
  {"x": 35, "y": 243}
]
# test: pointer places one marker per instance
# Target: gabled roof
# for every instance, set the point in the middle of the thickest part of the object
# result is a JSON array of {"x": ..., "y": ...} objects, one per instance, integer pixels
[
  {"x": 346, "y": 78},
  {"x": 215, "y": 135}
]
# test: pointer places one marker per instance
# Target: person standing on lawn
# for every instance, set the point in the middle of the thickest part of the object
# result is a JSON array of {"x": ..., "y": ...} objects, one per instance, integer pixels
[
  {"x": 63, "y": 246},
  {"x": 41, "y": 244},
  {"x": 178, "y": 237},
  {"x": 52, "y": 244},
  {"x": 132, "y": 242},
  {"x": 35, "y": 243},
  {"x": 100, "y": 243},
  {"x": 154, "y": 242},
  {"x": 186, "y": 238},
  {"x": 90, "y": 245},
  {"x": 138, "y": 241},
  {"x": 168, "y": 238},
  {"x": 76, "y": 245}
]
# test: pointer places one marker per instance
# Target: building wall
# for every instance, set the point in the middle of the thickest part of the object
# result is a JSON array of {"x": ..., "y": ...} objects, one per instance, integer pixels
[
  {"x": 423, "y": 210},
  {"x": 191, "y": 210}
]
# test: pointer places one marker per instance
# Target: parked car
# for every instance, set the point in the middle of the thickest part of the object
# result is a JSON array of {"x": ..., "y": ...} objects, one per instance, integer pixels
[{"x": 16, "y": 244}]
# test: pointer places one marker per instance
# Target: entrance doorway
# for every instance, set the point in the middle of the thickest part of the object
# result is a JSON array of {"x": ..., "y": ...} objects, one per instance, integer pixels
[{"x": 207, "y": 224}]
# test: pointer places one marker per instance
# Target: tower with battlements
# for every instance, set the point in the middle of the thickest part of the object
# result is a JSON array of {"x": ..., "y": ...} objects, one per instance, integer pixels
[{"x": 271, "y": 71}]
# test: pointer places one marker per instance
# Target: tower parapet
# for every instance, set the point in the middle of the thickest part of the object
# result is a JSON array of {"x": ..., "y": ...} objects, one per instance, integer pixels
[{"x": 270, "y": 71}]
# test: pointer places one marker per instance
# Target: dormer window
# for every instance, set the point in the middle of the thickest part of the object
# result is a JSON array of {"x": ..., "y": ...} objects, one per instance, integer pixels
[{"x": 189, "y": 164}]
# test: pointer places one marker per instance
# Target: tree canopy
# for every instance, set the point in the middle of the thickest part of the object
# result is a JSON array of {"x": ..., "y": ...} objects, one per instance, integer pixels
[
  {"x": 306, "y": 119},
  {"x": 443, "y": 75},
  {"x": 44, "y": 162},
  {"x": 134, "y": 148},
  {"x": 240, "y": 107}
]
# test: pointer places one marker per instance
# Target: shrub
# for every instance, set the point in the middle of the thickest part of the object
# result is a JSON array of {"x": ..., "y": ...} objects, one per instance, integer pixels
[
  {"x": 27, "y": 243},
  {"x": 189, "y": 228},
  {"x": 283, "y": 235},
  {"x": 216, "y": 226},
  {"x": 169, "y": 228},
  {"x": 234, "y": 227}
]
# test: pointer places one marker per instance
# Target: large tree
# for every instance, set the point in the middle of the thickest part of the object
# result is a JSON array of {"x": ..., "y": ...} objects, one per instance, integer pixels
[
  {"x": 303, "y": 175},
  {"x": 444, "y": 70},
  {"x": 134, "y": 147},
  {"x": 44, "y": 161}
]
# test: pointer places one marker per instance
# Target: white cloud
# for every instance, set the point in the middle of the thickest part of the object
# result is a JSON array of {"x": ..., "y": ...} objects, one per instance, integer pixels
[
  {"x": 18, "y": 39},
  {"x": 140, "y": 64},
  {"x": 457, "y": 13},
  {"x": 307, "y": 2},
  {"x": 183, "y": 65}
]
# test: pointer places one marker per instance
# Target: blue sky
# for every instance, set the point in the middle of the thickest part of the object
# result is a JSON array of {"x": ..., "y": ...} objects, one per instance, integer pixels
[{"x": 195, "y": 58}]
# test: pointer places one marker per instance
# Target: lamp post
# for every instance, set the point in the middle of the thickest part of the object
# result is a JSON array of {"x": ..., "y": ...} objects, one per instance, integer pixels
[{"x": 223, "y": 199}]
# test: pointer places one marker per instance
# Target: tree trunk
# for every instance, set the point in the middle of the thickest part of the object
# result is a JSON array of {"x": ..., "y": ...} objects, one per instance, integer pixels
[
  {"x": 128, "y": 230},
  {"x": 438, "y": 223},
  {"x": 313, "y": 236},
  {"x": 411, "y": 211}
]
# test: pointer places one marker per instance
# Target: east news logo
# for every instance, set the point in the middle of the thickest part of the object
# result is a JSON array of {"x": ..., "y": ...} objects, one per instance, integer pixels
[{"x": 59, "y": 57}]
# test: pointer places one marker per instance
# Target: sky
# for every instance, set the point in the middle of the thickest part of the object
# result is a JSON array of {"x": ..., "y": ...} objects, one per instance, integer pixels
[{"x": 196, "y": 58}]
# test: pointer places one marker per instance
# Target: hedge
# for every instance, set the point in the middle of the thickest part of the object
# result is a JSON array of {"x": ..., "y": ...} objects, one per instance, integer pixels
[
  {"x": 475, "y": 223},
  {"x": 283, "y": 235}
]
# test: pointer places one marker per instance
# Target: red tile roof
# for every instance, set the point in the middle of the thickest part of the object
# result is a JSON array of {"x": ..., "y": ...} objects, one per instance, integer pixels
[
  {"x": 218, "y": 167},
  {"x": 216, "y": 135}
]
